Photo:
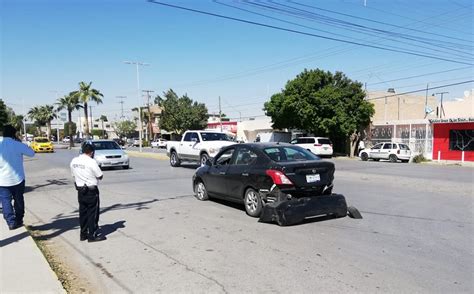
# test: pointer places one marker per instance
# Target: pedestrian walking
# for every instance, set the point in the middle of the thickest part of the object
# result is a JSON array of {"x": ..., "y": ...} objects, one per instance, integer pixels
[
  {"x": 87, "y": 173},
  {"x": 12, "y": 176}
]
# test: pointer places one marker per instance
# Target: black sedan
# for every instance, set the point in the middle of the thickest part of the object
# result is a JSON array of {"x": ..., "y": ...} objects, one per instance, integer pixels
[{"x": 276, "y": 182}]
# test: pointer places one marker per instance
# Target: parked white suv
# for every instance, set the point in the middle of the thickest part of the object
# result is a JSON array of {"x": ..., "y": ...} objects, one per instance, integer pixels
[
  {"x": 387, "y": 150},
  {"x": 318, "y": 145}
]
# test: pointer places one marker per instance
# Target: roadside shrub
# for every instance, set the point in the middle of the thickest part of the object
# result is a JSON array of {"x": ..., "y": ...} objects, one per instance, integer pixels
[{"x": 419, "y": 158}]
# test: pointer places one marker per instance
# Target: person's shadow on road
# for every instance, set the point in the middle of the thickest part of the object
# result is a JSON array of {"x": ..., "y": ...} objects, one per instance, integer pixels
[{"x": 111, "y": 228}]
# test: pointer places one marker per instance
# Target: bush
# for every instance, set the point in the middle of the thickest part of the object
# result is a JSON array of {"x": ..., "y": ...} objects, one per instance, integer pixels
[{"x": 419, "y": 158}]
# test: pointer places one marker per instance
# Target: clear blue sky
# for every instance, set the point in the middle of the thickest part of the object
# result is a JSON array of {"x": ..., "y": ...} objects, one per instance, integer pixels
[{"x": 49, "y": 46}]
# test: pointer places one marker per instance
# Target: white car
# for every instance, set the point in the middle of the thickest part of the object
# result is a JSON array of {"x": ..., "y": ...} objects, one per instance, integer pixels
[
  {"x": 388, "y": 151},
  {"x": 66, "y": 139},
  {"x": 321, "y": 146},
  {"x": 159, "y": 143}
]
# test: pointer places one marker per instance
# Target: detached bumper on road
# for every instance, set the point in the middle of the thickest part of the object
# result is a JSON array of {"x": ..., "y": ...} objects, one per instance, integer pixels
[{"x": 290, "y": 212}]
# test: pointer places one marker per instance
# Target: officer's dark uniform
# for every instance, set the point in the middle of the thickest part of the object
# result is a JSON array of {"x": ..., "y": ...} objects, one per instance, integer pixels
[{"x": 86, "y": 174}]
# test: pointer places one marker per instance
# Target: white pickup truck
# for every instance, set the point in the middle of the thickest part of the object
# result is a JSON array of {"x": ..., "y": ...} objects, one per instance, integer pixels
[{"x": 197, "y": 146}]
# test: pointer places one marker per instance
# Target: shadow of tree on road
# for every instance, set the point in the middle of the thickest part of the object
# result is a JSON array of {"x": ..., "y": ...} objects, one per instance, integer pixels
[{"x": 58, "y": 182}]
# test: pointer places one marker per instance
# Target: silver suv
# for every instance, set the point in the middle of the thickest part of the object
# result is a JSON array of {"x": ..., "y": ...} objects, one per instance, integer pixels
[{"x": 389, "y": 151}]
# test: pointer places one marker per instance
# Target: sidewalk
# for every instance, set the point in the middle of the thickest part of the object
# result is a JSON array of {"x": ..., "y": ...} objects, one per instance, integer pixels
[{"x": 23, "y": 267}]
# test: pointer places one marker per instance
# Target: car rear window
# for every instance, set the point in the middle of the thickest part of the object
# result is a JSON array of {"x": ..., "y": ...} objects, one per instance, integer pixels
[
  {"x": 289, "y": 153},
  {"x": 105, "y": 145},
  {"x": 403, "y": 147},
  {"x": 324, "y": 141}
]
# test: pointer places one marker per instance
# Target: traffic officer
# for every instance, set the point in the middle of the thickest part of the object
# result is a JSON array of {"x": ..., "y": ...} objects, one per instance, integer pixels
[{"x": 87, "y": 173}]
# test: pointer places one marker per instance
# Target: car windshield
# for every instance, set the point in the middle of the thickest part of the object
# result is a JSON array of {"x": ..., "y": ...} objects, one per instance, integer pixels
[
  {"x": 289, "y": 153},
  {"x": 41, "y": 140},
  {"x": 215, "y": 137},
  {"x": 105, "y": 145}
]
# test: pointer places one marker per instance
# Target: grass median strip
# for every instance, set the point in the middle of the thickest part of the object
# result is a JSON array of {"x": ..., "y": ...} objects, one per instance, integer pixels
[{"x": 158, "y": 156}]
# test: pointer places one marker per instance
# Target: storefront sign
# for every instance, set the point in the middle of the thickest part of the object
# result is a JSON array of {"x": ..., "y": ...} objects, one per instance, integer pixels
[{"x": 451, "y": 120}]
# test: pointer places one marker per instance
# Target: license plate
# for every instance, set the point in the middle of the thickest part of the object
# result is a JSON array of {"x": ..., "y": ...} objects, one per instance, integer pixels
[{"x": 313, "y": 178}]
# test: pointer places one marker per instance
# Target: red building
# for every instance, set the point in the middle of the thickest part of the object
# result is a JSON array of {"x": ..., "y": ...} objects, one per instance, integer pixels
[{"x": 453, "y": 139}]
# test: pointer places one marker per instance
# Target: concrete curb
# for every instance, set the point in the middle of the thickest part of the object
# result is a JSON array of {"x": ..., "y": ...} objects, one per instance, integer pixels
[
  {"x": 24, "y": 269},
  {"x": 147, "y": 155}
]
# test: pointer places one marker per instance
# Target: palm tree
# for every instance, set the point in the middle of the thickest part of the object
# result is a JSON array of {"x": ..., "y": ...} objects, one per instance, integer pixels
[
  {"x": 69, "y": 102},
  {"x": 85, "y": 94},
  {"x": 43, "y": 115},
  {"x": 36, "y": 115},
  {"x": 49, "y": 113}
]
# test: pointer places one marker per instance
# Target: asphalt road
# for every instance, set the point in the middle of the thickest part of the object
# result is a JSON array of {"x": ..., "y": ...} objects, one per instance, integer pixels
[{"x": 416, "y": 235}]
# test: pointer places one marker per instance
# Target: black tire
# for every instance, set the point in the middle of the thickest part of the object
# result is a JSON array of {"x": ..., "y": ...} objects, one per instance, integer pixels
[
  {"x": 364, "y": 156},
  {"x": 353, "y": 212},
  {"x": 393, "y": 158},
  {"x": 253, "y": 203},
  {"x": 204, "y": 157},
  {"x": 174, "y": 159},
  {"x": 126, "y": 166},
  {"x": 200, "y": 191}
]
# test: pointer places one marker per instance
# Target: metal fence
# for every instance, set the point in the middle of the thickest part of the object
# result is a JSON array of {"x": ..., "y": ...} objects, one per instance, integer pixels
[{"x": 418, "y": 136}]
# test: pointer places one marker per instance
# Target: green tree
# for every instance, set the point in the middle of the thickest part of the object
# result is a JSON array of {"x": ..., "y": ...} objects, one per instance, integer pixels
[
  {"x": 181, "y": 113},
  {"x": 69, "y": 102},
  {"x": 103, "y": 119},
  {"x": 322, "y": 103},
  {"x": 3, "y": 114},
  {"x": 124, "y": 128},
  {"x": 43, "y": 115},
  {"x": 35, "y": 114},
  {"x": 70, "y": 129},
  {"x": 86, "y": 94}
]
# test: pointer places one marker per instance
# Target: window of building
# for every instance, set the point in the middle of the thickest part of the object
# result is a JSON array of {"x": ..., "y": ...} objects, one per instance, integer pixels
[{"x": 461, "y": 140}]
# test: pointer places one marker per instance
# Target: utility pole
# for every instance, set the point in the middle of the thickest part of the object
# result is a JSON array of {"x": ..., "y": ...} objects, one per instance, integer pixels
[
  {"x": 121, "y": 102},
  {"x": 140, "y": 129},
  {"x": 150, "y": 127},
  {"x": 426, "y": 100},
  {"x": 220, "y": 113},
  {"x": 441, "y": 111}
]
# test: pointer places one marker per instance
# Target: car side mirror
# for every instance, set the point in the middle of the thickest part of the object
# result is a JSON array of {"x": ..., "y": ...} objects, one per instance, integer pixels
[
  {"x": 208, "y": 162},
  {"x": 195, "y": 140}
]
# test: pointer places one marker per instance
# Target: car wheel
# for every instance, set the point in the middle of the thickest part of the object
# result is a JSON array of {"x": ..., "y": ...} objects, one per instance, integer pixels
[
  {"x": 393, "y": 158},
  {"x": 253, "y": 203},
  {"x": 364, "y": 156},
  {"x": 126, "y": 166},
  {"x": 200, "y": 191},
  {"x": 204, "y": 158},
  {"x": 174, "y": 160}
]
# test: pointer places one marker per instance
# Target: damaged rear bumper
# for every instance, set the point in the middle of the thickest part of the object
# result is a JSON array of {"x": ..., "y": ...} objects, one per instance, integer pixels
[{"x": 295, "y": 210}]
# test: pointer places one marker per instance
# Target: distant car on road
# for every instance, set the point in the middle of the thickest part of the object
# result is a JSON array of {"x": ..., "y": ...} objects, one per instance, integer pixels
[
  {"x": 42, "y": 144},
  {"x": 159, "y": 143},
  {"x": 78, "y": 140},
  {"x": 321, "y": 146},
  {"x": 108, "y": 153},
  {"x": 276, "y": 182},
  {"x": 388, "y": 151},
  {"x": 136, "y": 142},
  {"x": 66, "y": 139}
]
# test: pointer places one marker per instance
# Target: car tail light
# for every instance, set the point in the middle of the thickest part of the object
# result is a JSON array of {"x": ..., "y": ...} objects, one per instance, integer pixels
[
  {"x": 278, "y": 177},
  {"x": 398, "y": 151},
  {"x": 318, "y": 145}
]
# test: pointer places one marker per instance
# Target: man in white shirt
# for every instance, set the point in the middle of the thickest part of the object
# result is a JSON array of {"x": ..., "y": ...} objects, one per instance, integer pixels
[
  {"x": 12, "y": 177},
  {"x": 87, "y": 173}
]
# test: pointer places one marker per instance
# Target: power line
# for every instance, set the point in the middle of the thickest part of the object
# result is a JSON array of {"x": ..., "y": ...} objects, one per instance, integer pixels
[
  {"x": 421, "y": 75},
  {"x": 422, "y": 90},
  {"x": 305, "y": 33}
]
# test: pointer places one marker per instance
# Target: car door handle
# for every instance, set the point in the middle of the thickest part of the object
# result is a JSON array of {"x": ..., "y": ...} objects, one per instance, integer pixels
[
  {"x": 222, "y": 173},
  {"x": 245, "y": 174}
]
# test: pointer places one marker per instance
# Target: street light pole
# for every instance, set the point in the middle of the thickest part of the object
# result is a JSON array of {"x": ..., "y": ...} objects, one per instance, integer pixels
[{"x": 137, "y": 63}]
